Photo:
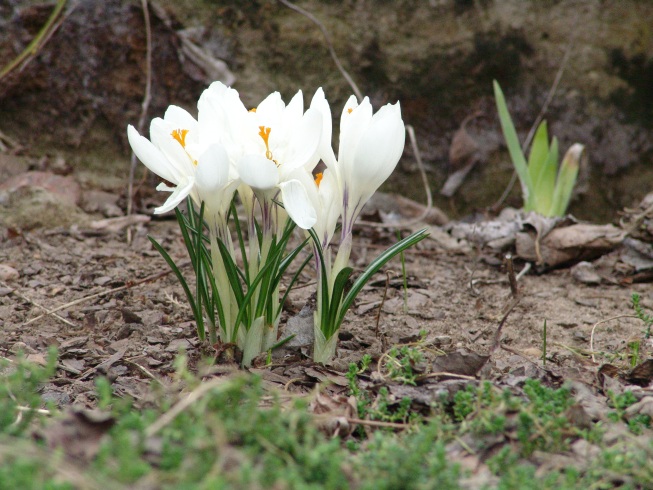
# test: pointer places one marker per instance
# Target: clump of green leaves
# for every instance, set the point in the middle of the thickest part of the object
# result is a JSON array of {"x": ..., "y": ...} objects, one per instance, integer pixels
[
  {"x": 620, "y": 402},
  {"x": 20, "y": 381},
  {"x": 402, "y": 362},
  {"x": 539, "y": 423},
  {"x": 236, "y": 434},
  {"x": 546, "y": 186},
  {"x": 377, "y": 406}
]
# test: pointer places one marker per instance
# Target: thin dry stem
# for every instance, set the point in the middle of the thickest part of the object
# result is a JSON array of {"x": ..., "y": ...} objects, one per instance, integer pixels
[
  {"x": 40, "y": 40},
  {"x": 179, "y": 407},
  {"x": 385, "y": 294},
  {"x": 31, "y": 301},
  {"x": 599, "y": 323},
  {"x": 332, "y": 51},
  {"x": 144, "y": 107}
]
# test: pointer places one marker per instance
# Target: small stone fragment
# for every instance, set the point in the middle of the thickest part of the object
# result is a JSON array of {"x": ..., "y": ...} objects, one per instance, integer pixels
[
  {"x": 8, "y": 273},
  {"x": 584, "y": 272}
]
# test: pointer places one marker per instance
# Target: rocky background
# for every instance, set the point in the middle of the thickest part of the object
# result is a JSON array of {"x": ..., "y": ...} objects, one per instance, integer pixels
[{"x": 72, "y": 101}]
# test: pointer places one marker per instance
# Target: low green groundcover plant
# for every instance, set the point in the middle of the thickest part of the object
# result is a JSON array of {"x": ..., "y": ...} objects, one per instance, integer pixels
[{"x": 234, "y": 433}]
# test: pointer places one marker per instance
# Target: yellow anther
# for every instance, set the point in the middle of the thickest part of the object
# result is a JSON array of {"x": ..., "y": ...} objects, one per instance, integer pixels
[
  {"x": 265, "y": 134},
  {"x": 318, "y": 178},
  {"x": 180, "y": 136},
  {"x": 349, "y": 111},
  {"x": 253, "y": 109}
]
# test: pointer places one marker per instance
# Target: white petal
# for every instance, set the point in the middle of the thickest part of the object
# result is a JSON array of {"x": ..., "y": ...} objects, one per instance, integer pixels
[
  {"x": 212, "y": 172},
  {"x": 177, "y": 116},
  {"x": 150, "y": 155},
  {"x": 213, "y": 184},
  {"x": 292, "y": 115},
  {"x": 258, "y": 172},
  {"x": 303, "y": 147},
  {"x": 352, "y": 128},
  {"x": 270, "y": 110},
  {"x": 377, "y": 154},
  {"x": 320, "y": 104},
  {"x": 180, "y": 193},
  {"x": 331, "y": 201},
  {"x": 161, "y": 135},
  {"x": 163, "y": 187},
  {"x": 297, "y": 204},
  {"x": 350, "y": 105}
]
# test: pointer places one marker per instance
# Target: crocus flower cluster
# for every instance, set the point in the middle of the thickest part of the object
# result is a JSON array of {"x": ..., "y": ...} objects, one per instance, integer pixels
[{"x": 268, "y": 154}]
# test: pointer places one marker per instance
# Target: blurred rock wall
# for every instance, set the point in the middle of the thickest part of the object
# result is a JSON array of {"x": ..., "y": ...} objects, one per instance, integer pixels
[{"x": 438, "y": 57}]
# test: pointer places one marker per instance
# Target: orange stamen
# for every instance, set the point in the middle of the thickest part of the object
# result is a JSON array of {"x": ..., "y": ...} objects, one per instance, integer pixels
[
  {"x": 253, "y": 109},
  {"x": 350, "y": 110},
  {"x": 180, "y": 136},
  {"x": 265, "y": 134},
  {"x": 318, "y": 178}
]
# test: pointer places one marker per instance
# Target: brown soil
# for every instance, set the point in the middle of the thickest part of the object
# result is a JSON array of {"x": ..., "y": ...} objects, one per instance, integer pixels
[{"x": 121, "y": 314}]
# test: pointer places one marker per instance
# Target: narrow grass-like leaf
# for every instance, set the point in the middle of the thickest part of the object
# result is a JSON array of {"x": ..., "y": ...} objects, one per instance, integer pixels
[
  {"x": 373, "y": 268},
  {"x": 544, "y": 188},
  {"x": 567, "y": 179},
  {"x": 539, "y": 152},
  {"x": 244, "y": 303},
  {"x": 233, "y": 274},
  {"x": 404, "y": 276},
  {"x": 514, "y": 147},
  {"x": 184, "y": 233},
  {"x": 216, "y": 301},
  {"x": 200, "y": 286},
  {"x": 292, "y": 282},
  {"x": 323, "y": 278},
  {"x": 241, "y": 240},
  {"x": 189, "y": 296},
  {"x": 538, "y": 159},
  {"x": 338, "y": 292}
]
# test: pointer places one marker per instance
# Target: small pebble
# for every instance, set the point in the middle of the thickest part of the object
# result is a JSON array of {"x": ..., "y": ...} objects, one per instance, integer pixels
[
  {"x": 8, "y": 273},
  {"x": 584, "y": 272}
]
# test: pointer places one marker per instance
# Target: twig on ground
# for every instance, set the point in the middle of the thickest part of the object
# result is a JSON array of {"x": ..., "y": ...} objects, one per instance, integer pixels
[
  {"x": 183, "y": 404},
  {"x": 439, "y": 374},
  {"x": 332, "y": 51},
  {"x": 378, "y": 312},
  {"x": 599, "y": 323},
  {"x": 497, "y": 336},
  {"x": 31, "y": 301},
  {"x": 40, "y": 411},
  {"x": 512, "y": 279},
  {"x": 144, "y": 107},
  {"x": 143, "y": 370},
  {"x": 129, "y": 285},
  {"x": 377, "y": 423},
  {"x": 514, "y": 291}
]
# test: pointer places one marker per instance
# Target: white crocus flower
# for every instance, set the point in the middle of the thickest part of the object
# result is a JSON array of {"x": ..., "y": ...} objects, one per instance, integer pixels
[
  {"x": 176, "y": 155},
  {"x": 325, "y": 198},
  {"x": 279, "y": 140},
  {"x": 370, "y": 148}
]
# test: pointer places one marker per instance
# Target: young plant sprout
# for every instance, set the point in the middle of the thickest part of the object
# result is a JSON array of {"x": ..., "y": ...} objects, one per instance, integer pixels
[
  {"x": 546, "y": 186},
  {"x": 266, "y": 156}
]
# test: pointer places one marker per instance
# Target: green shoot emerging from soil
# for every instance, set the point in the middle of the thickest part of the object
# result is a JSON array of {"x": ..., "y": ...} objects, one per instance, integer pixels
[{"x": 546, "y": 186}]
